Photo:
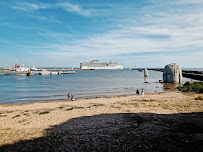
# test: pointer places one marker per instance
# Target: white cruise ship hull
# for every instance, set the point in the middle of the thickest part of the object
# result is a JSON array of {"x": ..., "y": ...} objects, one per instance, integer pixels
[
  {"x": 95, "y": 64},
  {"x": 85, "y": 67}
]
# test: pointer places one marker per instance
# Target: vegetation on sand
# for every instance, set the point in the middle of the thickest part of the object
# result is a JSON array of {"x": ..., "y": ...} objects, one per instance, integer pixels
[
  {"x": 75, "y": 108},
  {"x": 44, "y": 112},
  {"x": 16, "y": 116},
  {"x": 199, "y": 98},
  {"x": 192, "y": 87}
]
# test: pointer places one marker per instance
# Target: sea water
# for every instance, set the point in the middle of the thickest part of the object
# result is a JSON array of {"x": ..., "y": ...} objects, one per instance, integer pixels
[{"x": 83, "y": 84}]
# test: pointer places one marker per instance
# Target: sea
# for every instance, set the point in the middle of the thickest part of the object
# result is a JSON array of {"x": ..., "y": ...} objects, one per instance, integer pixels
[{"x": 84, "y": 84}]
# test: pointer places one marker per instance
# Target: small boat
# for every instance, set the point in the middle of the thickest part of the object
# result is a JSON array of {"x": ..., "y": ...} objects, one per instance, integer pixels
[
  {"x": 33, "y": 68},
  {"x": 30, "y": 73},
  {"x": 44, "y": 72},
  {"x": 53, "y": 73},
  {"x": 67, "y": 72}
]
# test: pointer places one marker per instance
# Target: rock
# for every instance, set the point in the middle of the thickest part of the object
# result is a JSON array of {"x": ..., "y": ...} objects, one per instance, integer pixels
[
  {"x": 136, "y": 125},
  {"x": 172, "y": 73}
]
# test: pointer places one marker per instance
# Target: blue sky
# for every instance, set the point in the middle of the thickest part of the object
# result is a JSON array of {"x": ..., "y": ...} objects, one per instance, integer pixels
[{"x": 64, "y": 33}]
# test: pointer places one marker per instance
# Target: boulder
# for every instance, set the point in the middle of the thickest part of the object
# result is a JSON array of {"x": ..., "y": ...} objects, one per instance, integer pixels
[{"x": 172, "y": 73}]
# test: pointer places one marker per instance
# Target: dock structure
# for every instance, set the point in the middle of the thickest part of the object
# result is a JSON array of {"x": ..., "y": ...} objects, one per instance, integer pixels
[
  {"x": 41, "y": 72},
  {"x": 13, "y": 72},
  {"x": 197, "y": 75}
]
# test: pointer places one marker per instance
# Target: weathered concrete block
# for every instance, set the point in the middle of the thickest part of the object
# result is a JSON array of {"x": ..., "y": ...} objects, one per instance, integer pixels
[
  {"x": 172, "y": 73},
  {"x": 145, "y": 72}
]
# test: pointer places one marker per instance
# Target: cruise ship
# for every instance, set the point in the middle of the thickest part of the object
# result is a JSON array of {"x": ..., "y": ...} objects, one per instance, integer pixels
[{"x": 95, "y": 64}]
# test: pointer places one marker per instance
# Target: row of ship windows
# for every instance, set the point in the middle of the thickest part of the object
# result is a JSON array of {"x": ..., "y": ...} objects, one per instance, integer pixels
[{"x": 100, "y": 66}]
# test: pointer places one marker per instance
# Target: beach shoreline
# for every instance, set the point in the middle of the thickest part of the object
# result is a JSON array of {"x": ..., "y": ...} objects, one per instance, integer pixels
[
  {"x": 79, "y": 98},
  {"x": 30, "y": 121}
]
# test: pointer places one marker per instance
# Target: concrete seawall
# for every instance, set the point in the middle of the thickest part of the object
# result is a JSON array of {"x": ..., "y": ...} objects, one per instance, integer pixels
[{"x": 197, "y": 75}]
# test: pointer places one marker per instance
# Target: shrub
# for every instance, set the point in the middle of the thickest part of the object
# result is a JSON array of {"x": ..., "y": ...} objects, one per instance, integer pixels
[
  {"x": 192, "y": 87},
  {"x": 201, "y": 90},
  {"x": 187, "y": 83},
  {"x": 45, "y": 112},
  {"x": 70, "y": 108}
]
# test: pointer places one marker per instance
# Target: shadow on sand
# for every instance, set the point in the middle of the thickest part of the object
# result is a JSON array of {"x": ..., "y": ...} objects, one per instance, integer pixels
[{"x": 120, "y": 132}]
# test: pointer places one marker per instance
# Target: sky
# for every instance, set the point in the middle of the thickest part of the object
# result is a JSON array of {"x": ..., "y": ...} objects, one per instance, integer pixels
[{"x": 65, "y": 33}]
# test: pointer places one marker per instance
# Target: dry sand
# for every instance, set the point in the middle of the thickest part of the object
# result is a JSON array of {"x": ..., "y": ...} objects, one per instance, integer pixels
[{"x": 21, "y": 122}]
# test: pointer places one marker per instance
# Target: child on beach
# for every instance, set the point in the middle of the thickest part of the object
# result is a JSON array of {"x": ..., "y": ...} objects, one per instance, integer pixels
[
  {"x": 72, "y": 97},
  {"x": 69, "y": 95},
  {"x": 142, "y": 94},
  {"x": 137, "y": 91}
]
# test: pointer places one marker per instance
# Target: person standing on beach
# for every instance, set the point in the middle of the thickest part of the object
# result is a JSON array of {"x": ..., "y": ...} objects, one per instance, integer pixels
[
  {"x": 137, "y": 91},
  {"x": 69, "y": 95},
  {"x": 142, "y": 94},
  {"x": 72, "y": 97}
]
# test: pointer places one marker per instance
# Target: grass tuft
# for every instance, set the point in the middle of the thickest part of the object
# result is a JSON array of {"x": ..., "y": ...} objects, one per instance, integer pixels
[
  {"x": 134, "y": 104},
  {"x": 98, "y": 105},
  {"x": 22, "y": 121},
  {"x": 78, "y": 107},
  {"x": 199, "y": 98},
  {"x": 44, "y": 112},
  {"x": 75, "y": 108},
  {"x": 3, "y": 115},
  {"x": 16, "y": 116},
  {"x": 115, "y": 106},
  {"x": 150, "y": 100}
]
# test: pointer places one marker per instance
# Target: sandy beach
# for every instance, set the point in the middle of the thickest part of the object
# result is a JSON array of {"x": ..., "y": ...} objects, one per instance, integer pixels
[{"x": 107, "y": 123}]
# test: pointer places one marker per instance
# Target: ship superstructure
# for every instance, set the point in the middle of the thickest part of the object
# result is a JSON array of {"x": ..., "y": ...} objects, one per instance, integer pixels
[
  {"x": 20, "y": 68},
  {"x": 95, "y": 64}
]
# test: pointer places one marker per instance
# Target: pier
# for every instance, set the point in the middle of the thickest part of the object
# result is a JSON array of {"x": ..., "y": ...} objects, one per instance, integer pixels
[
  {"x": 197, "y": 75},
  {"x": 39, "y": 71}
]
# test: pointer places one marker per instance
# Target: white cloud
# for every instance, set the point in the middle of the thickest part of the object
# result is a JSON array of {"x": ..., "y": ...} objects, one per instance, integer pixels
[
  {"x": 45, "y": 18},
  {"x": 26, "y": 6},
  {"x": 75, "y": 9},
  {"x": 189, "y": 2}
]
